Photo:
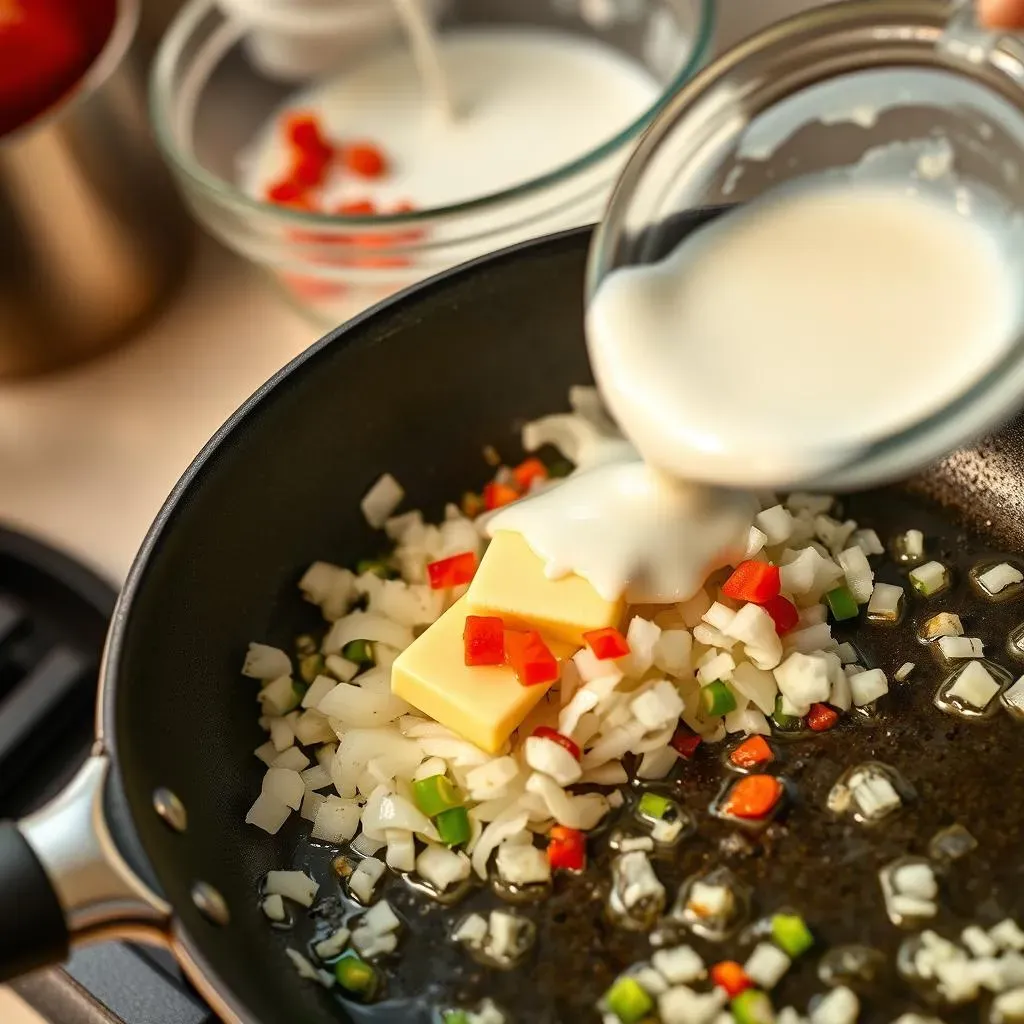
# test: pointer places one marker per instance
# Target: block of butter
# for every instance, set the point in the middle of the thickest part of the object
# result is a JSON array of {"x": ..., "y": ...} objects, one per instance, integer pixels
[
  {"x": 510, "y": 582},
  {"x": 483, "y": 704}
]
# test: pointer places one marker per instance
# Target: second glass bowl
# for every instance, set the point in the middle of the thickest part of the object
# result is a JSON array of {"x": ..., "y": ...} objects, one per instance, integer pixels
[{"x": 210, "y": 98}]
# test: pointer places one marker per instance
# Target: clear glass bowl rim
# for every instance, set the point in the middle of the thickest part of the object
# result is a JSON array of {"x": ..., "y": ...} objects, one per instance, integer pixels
[{"x": 224, "y": 193}]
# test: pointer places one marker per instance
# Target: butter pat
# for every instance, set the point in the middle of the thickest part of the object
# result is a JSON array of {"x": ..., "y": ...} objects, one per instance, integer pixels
[
  {"x": 510, "y": 582},
  {"x": 483, "y": 704}
]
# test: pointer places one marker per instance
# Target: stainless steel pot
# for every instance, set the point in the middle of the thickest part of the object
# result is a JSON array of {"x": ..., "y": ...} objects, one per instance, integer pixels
[{"x": 92, "y": 234}]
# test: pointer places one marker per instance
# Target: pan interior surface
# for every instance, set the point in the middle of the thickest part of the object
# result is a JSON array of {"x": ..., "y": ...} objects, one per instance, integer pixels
[{"x": 418, "y": 389}]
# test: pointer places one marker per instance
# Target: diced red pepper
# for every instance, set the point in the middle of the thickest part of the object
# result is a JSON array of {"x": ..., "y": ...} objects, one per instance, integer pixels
[
  {"x": 309, "y": 169},
  {"x": 304, "y": 133},
  {"x": 498, "y": 495},
  {"x": 529, "y": 470},
  {"x": 685, "y": 743},
  {"x": 606, "y": 643},
  {"x": 783, "y": 612},
  {"x": 730, "y": 977},
  {"x": 484, "y": 640},
  {"x": 567, "y": 848},
  {"x": 531, "y": 659},
  {"x": 364, "y": 159},
  {"x": 753, "y": 581},
  {"x": 286, "y": 193},
  {"x": 451, "y": 572},
  {"x": 821, "y": 717},
  {"x": 752, "y": 752},
  {"x": 357, "y": 208},
  {"x": 753, "y": 797},
  {"x": 545, "y": 732}
]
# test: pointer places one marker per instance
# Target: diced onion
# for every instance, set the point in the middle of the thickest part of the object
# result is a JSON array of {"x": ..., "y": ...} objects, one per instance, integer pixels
[
  {"x": 268, "y": 813},
  {"x": 442, "y": 867},
  {"x": 381, "y": 500},
  {"x": 859, "y": 575},
  {"x": 337, "y": 820},
  {"x": 360, "y": 625},
  {"x": 292, "y": 758},
  {"x": 294, "y": 885},
  {"x": 866, "y": 687},
  {"x": 330, "y": 587},
  {"x": 580, "y": 812},
  {"x": 362, "y": 882},
  {"x": 884, "y": 603},
  {"x": 401, "y": 852},
  {"x": 284, "y": 785},
  {"x": 266, "y": 663}
]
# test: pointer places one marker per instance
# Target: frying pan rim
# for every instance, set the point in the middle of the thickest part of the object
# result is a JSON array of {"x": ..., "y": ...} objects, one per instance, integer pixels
[{"x": 187, "y": 949}]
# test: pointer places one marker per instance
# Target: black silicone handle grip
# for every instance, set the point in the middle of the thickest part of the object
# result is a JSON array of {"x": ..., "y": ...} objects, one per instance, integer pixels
[{"x": 33, "y": 932}]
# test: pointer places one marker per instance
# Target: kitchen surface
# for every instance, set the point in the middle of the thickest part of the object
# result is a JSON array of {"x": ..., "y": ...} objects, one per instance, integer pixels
[{"x": 88, "y": 455}]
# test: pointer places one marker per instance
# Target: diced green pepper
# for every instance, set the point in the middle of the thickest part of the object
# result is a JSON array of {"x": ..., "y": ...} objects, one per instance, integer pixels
[
  {"x": 377, "y": 566},
  {"x": 654, "y": 805},
  {"x": 628, "y": 1000},
  {"x": 791, "y": 934},
  {"x": 358, "y": 651},
  {"x": 435, "y": 794},
  {"x": 717, "y": 698},
  {"x": 356, "y": 977},
  {"x": 752, "y": 1007},
  {"x": 311, "y": 666},
  {"x": 560, "y": 468},
  {"x": 453, "y": 826},
  {"x": 299, "y": 688},
  {"x": 842, "y": 604},
  {"x": 787, "y": 723},
  {"x": 455, "y": 1017}
]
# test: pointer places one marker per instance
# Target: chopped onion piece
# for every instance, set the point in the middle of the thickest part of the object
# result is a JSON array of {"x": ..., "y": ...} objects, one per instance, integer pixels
[
  {"x": 810, "y": 640},
  {"x": 341, "y": 668},
  {"x": 756, "y": 540},
  {"x": 431, "y": 767},
  {"x": 333, "y": 946},
  {"x": 1013, "y": 698},
  {"x": 312, "y": 728},
  {"x": 302, "y": 966},
  {"x": 551, "y": 758},
  {"x": 278, "y": 697},
  {"x": 501, "y": 828},
  {"x": 642, "y": 636},
  {"x": 974, "y": 686},
  {"x": 370, "y": 944},
  {"x": 839, "y": 1006},
  {"x": 266, "y": 663},
  {"x": 284, "y": 785},
  {"x": 859, "y": 575},
  {"x": 868, "y": 542},
  {"x": 329, "y": 587},
  {"x": 365, "y": 846},
  {"x": 318, "y": 689},
  {"x": 776, "y": 523},
  {"x": 766, "y": 965},
  {"x": 361, "y": 883},
  {"x": 273, "y": 907},
  {"x": 311, "y": 802},
  {"x": 380, "y": 919},
  {"x": 847, "y": 653},
  {"x": 360, "y": 625},
  {"x": 580, "y": 812},
  {"x": 656, "y": 708},
  {"x": 718, "y": 666},
  {"x": 655, "y": 764},
  {"x": 692, "y": 609},
  {"x": 943, "y": 624},
  {"x": 903, "y": 672},
  {"x": 442, "y": 867},
  {"x": 672, "y": 652},
  {"x": 954, "y": 647},
  {"x": 993, "y": 581},
  {"x": 930, "y": 578},
  {"x": 491, "y": 780},
  {"x": 381, "y": 500},
  {"x": 1008, "y": 935},
  {"x": 366, "y": 706},
  {"x": 292, "y": 758},
  {"x": 866, "y": 687},
  {"x": 755, "y": 685},
  {"x": 295, "y": 885},
  {"x": 266, "y": 752},
  {"x": 679, "y": 966},
  {"x": 884, "y": 605},
  {"x": 401, "y": 852},
  {"x": 681, "y": 1005},
  {"x": 337, "y": 820},
  {"x": 520, "y": 864},
  {"x": 803, "y": 679}
]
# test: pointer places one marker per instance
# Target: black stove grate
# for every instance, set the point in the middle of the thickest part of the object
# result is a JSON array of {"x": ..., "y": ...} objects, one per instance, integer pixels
[{"x": 53, "y": 621}]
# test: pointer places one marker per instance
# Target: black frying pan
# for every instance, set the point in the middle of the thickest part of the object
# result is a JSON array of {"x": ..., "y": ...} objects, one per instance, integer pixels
[{"x": 417, "y": 387}]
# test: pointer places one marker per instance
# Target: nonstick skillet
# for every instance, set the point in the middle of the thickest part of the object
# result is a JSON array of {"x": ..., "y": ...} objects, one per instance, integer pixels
[{"x": 150, "y": 843}]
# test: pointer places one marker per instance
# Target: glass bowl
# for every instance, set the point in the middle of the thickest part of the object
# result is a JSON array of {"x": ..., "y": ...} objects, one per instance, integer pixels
[
  {"x": 908, "y": 82},
  {"x": 211, "y": 94}
]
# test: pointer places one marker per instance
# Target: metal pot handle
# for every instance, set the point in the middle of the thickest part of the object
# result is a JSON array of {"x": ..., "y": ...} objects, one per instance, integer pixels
[{"x": 65, "y": 882}]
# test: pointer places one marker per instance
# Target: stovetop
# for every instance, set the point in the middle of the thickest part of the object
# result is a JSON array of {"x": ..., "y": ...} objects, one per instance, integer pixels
[{"x": 53, "y": 619}]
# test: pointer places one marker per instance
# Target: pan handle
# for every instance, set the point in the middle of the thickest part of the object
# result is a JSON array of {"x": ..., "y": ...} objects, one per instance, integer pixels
[{"x": 65, "y": 883}]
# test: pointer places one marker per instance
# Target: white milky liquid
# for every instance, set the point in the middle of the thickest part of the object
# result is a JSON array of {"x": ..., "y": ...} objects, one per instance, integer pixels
[
  {"x": 527, "y": 102},
  {"x": 778, "y": 342}
]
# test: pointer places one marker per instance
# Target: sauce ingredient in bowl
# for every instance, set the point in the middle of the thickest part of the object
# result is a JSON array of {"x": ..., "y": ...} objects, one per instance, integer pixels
[
  {"x": 527, "y": 102},
  {"x": 776, "y": 343}
]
